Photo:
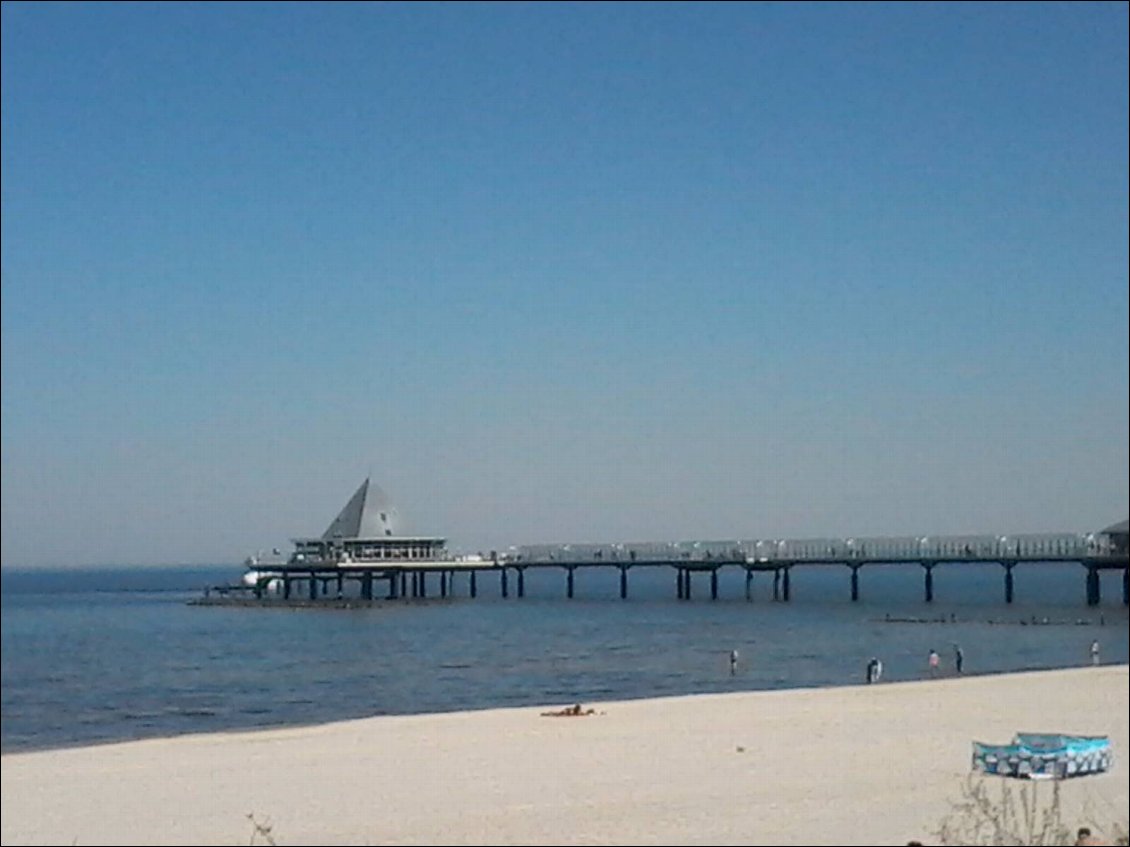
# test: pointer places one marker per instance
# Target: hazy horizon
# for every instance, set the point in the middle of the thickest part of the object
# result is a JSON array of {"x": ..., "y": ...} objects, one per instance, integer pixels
[{"x": 560, "y": 272}]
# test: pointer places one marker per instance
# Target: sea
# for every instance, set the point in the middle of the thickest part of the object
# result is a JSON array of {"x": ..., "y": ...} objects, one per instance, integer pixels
[{"x": 93, "y": 656}]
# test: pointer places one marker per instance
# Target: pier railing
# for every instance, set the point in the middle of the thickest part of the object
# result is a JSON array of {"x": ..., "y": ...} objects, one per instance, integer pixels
[{"x": 1016, "y": 548}]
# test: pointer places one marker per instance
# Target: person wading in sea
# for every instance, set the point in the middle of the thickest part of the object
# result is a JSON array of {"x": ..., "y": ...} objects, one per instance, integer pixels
[{"x": 874, "y": 670}]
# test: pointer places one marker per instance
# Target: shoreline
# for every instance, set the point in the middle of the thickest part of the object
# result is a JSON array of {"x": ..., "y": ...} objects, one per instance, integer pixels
[
  {"x": 944, "y": 675},
  {"x": 859, "y": 764}
]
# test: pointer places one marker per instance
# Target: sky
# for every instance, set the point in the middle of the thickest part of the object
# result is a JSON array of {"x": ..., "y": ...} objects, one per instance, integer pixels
[{"x": 559, "y": 272}]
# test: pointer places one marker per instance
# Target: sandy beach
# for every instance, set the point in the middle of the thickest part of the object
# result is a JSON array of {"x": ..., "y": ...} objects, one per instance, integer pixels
[{"x": 861, "y": 765}]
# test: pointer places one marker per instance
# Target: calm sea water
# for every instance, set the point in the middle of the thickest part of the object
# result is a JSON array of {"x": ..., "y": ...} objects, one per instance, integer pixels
[{"x": 104, "y": 655}]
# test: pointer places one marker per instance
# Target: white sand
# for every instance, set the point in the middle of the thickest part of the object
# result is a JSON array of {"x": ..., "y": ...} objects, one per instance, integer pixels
[{"x": 865, "y": 765}]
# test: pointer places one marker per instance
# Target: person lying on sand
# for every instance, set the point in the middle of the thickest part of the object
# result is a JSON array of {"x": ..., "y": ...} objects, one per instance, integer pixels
[{"x": 569, "y": 712}]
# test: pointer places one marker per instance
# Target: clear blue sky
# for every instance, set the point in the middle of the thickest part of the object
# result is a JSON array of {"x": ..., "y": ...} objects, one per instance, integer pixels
[{"x": 559, "y": 272}]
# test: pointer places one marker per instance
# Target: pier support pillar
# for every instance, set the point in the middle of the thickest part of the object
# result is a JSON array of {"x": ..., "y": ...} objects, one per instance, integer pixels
[
  {"x": 286, "y": 586},
  {"x": 569, "y": 582},
  {"x": 1094, "y": 587},
  {"x": 929, "y": 582},
  {"x": 623, "y": 582},
  {"x": 1008, "y": 592},
  {"x": 313, "y": 586},
  {"x": 686, "y": 583},
  {"x": 714, "y": 584},
  {"x": 776, "y": 583},
  {"x": 443, "y": 583},
  {"x": 748, "y": 585},
  {"x": 785, "y": 585},
  {"x": 504, "y": 583},
  {"x": 403, "y": 583},
  {"x": 340, "y": 585},
  {"x": 679, "y": 583},
  {"x": 367, "y": 585},
  {"x": 854, "y": 583},
  {"x": 393, "y": 585},
  {"x": 474, "y": 583},
  {"x": 521, "y": 581}
]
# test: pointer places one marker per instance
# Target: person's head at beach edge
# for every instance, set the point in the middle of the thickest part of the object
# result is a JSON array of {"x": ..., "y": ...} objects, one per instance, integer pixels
[{"x": 1084, "y": 836}]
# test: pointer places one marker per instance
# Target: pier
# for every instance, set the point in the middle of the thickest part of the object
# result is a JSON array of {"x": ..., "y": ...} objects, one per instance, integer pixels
[
  {"x": 361, "y": 558},
  {"x": 695, "y": 568}
]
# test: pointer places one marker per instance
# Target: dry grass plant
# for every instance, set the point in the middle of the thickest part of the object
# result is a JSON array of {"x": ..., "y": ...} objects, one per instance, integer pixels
[
  {"x": 1028, "y": 812},
  {"x": 260, "y": 831}
]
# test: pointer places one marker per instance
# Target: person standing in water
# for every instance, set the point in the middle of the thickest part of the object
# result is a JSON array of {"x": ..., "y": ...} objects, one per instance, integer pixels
[
  {"x": 958, "y": 658},
  {"x": 933, "y": 660},
  {"x": 874, "y": 670},
  {"x": 1095, "y": 652},
  {"x": 733, "y": 662}
]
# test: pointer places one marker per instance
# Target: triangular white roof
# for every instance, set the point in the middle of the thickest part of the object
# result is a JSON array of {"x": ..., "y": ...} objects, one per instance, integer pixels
[{"x": 368, "y": 514}]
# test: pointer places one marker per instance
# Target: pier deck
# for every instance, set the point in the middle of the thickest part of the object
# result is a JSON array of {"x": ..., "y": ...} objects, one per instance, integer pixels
[{"x": 314, "y": 582}]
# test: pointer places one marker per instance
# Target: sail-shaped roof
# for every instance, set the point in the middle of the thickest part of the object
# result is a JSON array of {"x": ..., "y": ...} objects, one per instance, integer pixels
[{"x": 368, "y": 514}]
